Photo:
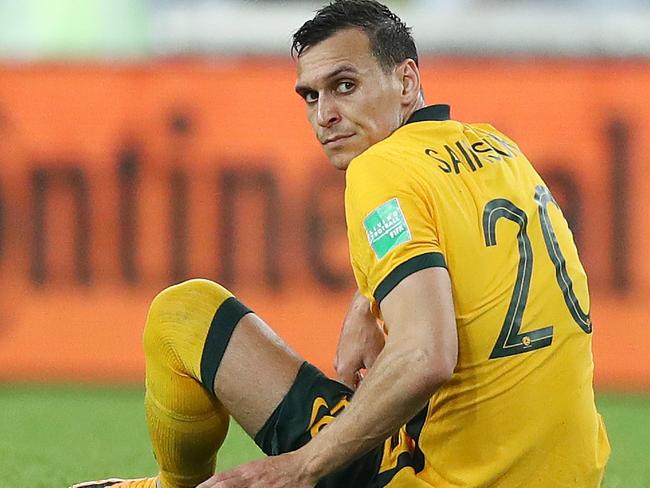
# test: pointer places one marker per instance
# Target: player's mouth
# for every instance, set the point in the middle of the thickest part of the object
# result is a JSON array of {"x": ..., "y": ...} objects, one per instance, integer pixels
[{"x": 337, "y": 138}]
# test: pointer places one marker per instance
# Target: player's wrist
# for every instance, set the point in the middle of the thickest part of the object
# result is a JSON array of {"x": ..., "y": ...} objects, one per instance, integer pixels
[{"x": 314, "y": 463}]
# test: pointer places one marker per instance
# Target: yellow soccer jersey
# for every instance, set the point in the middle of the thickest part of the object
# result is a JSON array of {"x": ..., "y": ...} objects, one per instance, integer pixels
[{"x": 519, "y": 409}]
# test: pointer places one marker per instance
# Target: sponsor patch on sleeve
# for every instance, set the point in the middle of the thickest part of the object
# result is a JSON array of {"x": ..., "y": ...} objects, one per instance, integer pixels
[{"x": 386, "y": 228}]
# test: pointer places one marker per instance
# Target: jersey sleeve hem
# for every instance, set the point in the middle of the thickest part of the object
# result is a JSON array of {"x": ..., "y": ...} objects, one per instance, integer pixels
[{"x": 407, "y": 268}]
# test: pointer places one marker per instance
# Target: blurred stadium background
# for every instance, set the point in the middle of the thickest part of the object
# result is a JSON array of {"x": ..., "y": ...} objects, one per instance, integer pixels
[{"x": 147, "y": 141}]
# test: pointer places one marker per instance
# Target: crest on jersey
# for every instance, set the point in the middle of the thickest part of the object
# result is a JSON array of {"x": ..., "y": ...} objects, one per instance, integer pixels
[{"x": 386, "y": 228}]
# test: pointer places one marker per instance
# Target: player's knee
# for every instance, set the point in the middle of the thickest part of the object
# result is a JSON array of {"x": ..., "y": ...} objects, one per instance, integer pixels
[
  {"x": 179, "y": 317},
  {"x": 197, "y": 289},
  {"x": 176, "y": 302},
  {"x": 185, "y": 303}
]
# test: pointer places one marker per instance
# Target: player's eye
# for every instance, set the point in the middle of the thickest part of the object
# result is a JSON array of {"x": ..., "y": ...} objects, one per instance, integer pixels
[
  {"x": 311, "y": 97},
  {"x": 345, "y": 87}
]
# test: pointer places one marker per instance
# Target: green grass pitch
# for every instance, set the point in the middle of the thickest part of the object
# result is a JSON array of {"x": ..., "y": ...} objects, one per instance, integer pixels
[{"x": 54, "y": 436}]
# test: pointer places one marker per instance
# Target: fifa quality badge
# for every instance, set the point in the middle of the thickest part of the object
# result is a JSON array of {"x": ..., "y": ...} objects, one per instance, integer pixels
[{"x": 386, "y": 228}]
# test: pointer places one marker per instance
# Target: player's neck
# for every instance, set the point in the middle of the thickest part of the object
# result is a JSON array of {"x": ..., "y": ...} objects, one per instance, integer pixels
[{"x": 417, "y": 105}]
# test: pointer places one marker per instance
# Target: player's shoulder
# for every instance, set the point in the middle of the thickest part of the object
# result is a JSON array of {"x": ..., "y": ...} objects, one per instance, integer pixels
[{"x": 484, "y": 129}]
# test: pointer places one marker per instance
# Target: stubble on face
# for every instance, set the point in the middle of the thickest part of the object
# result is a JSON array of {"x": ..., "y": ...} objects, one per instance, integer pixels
[{"x": 352, "y": 102}]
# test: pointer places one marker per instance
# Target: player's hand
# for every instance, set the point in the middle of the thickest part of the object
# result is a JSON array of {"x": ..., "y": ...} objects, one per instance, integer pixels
[
  {"x": 360, "y": 342},
  {"x": 283, "y": 471}
]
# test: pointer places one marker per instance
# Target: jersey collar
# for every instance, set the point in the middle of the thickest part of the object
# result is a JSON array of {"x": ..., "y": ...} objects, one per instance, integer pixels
[{"x": 438, "y": 112}]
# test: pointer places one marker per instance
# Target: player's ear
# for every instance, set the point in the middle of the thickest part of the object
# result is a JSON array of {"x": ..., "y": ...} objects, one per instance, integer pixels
[{"x": 410, "y": 80}]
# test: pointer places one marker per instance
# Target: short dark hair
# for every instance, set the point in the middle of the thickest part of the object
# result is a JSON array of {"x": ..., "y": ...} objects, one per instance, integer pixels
[{"x": 390, "y": 39}]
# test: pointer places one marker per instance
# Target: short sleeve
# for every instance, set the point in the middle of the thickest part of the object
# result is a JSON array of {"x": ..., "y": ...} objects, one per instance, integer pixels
[{"x": 392, "y": 230}]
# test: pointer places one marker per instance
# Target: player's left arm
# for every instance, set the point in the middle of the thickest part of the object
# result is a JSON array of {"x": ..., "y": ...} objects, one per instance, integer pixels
[{"x": 360, "y": 342}]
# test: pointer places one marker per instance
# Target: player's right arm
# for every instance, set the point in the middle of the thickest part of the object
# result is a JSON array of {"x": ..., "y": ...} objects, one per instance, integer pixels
[{"x": 419, "y": 356}]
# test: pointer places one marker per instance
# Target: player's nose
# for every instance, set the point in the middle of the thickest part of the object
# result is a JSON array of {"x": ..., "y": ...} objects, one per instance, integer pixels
[{"x": 328, "y": 114}]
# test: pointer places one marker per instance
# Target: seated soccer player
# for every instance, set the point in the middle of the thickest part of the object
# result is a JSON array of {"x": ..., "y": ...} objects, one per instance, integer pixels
[{"x": 457, "y": 245}]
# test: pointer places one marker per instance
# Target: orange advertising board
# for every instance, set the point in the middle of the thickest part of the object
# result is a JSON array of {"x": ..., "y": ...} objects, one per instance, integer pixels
[{"x": 116, "y": 181}]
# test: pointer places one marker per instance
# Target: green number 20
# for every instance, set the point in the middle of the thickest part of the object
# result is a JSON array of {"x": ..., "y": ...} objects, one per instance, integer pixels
[{"x": 510, "y": 340}]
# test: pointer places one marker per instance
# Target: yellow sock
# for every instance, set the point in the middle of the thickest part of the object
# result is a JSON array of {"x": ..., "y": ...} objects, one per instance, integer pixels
[{"x": 187, "y": 424}]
